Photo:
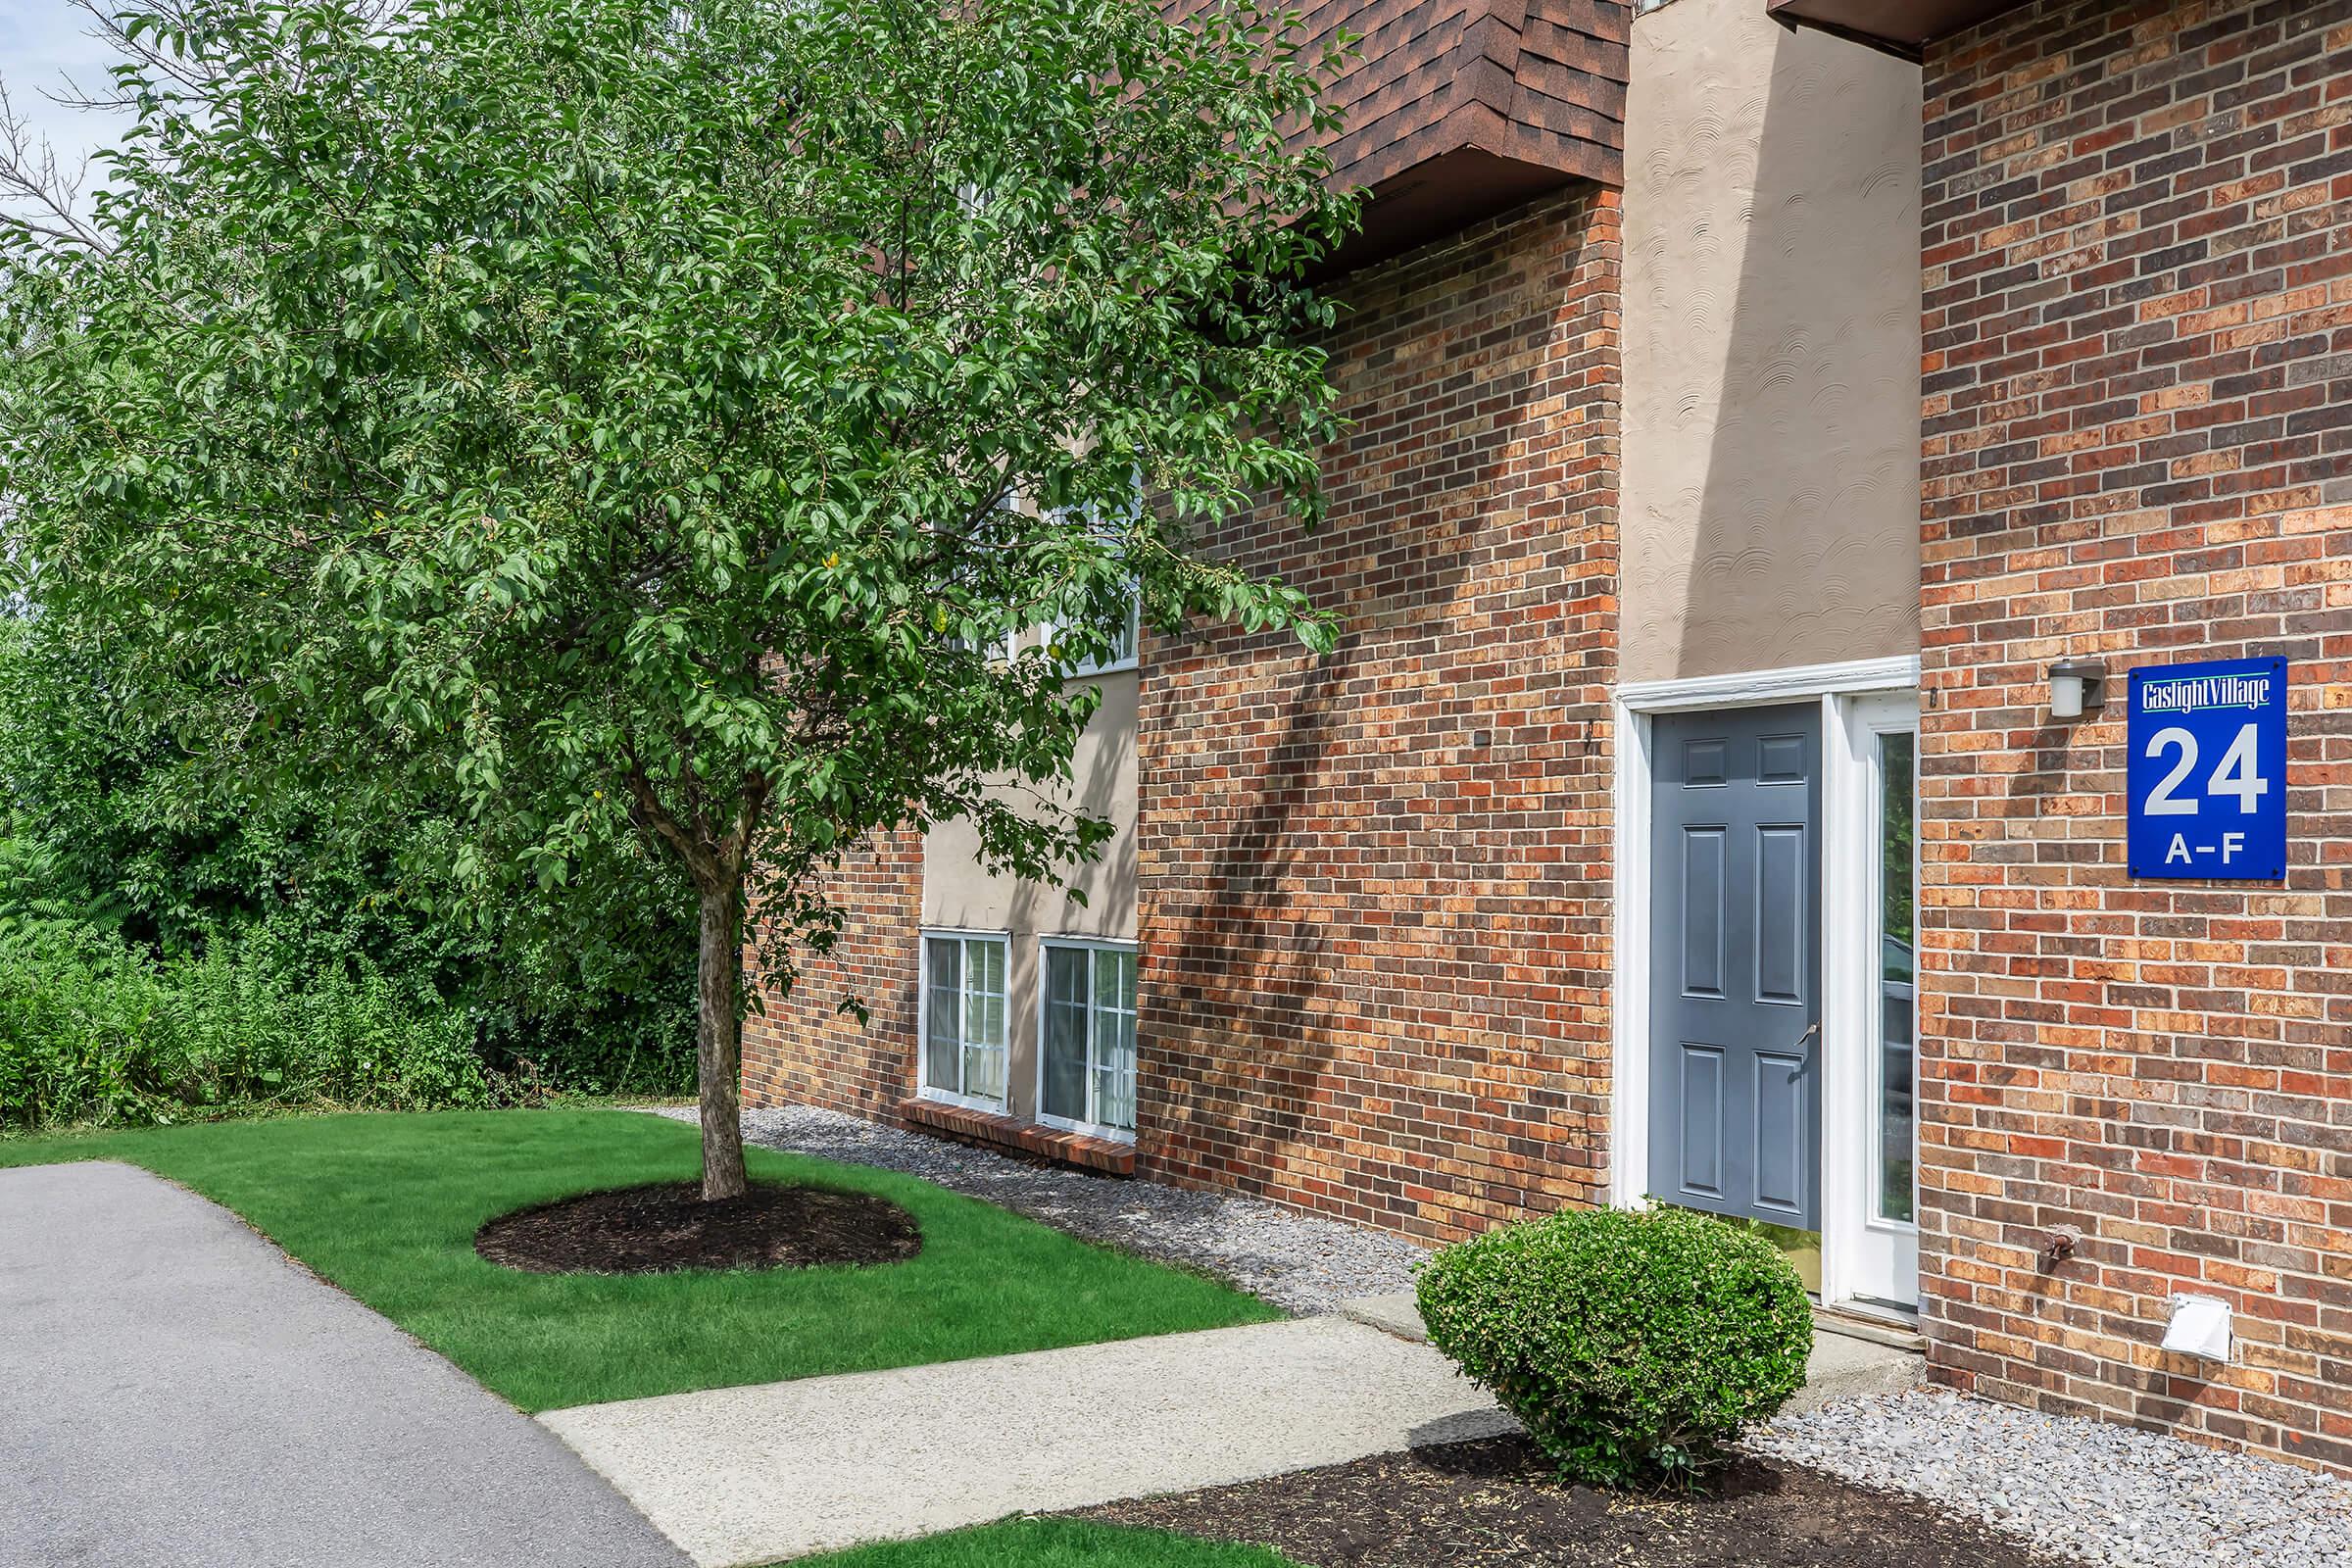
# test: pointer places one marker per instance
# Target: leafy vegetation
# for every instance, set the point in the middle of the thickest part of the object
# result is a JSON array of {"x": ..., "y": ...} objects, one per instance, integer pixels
[
  {"x": 1631, "y": 1344},
  {"x": 386, "y": 1208},
  {"x": 176, "y": 944},
  {"x": 1053, "y": 1543},
  {"x": 93, "y": 1030},
  {"x": 620, "y": 431}
]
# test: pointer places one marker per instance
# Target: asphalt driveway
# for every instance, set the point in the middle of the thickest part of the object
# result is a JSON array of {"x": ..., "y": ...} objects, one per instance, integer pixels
[{"x": 174, "y": 1391}]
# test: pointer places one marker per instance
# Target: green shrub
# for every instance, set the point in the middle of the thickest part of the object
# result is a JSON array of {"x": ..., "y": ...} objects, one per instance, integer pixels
[
  {"x": 122, "y": 812},
  {"x": 1631, "y": 1346},
  {"x": 94, "y": 1030}
]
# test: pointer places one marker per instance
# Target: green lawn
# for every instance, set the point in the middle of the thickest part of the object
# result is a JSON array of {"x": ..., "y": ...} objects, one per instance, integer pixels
[
  {"x": 1053, "y": 1543},
  {"x": 386, "y": 1206}
]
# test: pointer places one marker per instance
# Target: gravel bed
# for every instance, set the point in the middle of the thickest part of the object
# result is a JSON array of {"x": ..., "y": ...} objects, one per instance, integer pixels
[
  {"x": 1299, "y": 1263},
  {"x": 2092, "y": 1489},
  {"x": 2088, "y": 1490}
]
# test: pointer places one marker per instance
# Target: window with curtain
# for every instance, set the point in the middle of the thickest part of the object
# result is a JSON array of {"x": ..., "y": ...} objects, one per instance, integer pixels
[
  {"x": 1088, "y": 1052},
  {"x": 964, "y": 1018}
]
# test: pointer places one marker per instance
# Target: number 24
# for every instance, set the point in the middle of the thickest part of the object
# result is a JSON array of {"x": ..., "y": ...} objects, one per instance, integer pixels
[{"x": 2237, "y": 775}]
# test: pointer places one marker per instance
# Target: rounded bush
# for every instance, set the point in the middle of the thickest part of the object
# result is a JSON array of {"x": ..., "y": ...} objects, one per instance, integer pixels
[{"x": 1631, "y": 1344}]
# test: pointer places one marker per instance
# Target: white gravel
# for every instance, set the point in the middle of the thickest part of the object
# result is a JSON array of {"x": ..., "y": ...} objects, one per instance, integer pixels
[
  {"x": 1299, "y": 1263},
  {"x": 2092, "y": 1489},
  {"x": 2072, "y": 1487}
]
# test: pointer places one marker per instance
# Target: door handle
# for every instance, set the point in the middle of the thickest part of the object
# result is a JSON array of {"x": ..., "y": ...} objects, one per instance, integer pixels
[{"x": 1804, "y": 1066}]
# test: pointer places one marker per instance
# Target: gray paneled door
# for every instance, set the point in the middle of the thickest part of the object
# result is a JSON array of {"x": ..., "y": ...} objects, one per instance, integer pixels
[{"x": 1734, "y": 1074}]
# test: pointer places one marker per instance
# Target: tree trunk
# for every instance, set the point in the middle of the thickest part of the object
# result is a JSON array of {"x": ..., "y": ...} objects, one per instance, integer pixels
[{"x": 718, "y": 1040}]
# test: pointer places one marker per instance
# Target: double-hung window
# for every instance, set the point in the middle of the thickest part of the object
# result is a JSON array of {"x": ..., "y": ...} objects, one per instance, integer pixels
[
  {"x": 1086, "y": 1066},
  {"x": 995, "y": 530},
  {"x": 1126, "y": 641},
  {"x": 1125, "y": 636},
  {"x": 1002, "y": 651},
  {"x": 963, "y": 1019}
]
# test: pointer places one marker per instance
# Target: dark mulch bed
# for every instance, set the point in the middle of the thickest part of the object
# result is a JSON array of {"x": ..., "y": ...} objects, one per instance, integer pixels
[
  {"x": 1489, "y": 1504},
  {"x": 667, "y": 1226}
]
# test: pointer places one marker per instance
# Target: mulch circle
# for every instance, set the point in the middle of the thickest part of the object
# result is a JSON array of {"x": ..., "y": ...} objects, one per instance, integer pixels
[
  {"x": 667, "y": 1226},
  {"x": 1494, "y": 1503}
]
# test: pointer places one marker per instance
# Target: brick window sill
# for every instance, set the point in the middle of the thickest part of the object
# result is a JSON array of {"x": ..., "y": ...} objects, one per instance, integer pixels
[{"x": 1105, "y": 1155}]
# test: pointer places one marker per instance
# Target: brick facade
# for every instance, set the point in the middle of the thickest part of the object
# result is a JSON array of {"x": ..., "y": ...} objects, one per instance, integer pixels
[
  {"x": 2139, "y": 447},
  {"x": 803, "y": 1049},
  {"x": 1375, "y": 888}
]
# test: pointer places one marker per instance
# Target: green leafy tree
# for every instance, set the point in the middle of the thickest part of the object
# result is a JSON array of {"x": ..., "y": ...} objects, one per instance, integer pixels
[{"x": 637, "y": 420}]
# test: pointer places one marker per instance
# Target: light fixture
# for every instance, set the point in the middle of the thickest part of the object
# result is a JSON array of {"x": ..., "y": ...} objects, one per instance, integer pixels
[{"x": 2076, "y": 685}]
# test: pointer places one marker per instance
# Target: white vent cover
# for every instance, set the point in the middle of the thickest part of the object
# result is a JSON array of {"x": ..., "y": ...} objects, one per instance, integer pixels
[{"x": 2199, "y": 1326}]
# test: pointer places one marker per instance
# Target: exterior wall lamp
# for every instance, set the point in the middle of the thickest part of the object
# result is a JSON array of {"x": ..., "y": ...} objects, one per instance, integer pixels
[{"x": 2076, "y": 685}]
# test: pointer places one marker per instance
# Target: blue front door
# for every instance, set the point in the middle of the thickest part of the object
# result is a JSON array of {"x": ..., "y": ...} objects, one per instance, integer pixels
[{"x": 1735, "y": 1063}]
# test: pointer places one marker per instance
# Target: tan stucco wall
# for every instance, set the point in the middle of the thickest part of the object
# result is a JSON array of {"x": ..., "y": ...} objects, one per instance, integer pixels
[
  {"x": 961, "y": 892},
  {"x": 1770, "y": 504}
]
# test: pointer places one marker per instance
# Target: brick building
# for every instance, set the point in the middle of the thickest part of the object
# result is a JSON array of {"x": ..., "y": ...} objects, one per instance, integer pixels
[
  {"x": 2137, "y": 443},
  {"x": 1747, "y": 418}
]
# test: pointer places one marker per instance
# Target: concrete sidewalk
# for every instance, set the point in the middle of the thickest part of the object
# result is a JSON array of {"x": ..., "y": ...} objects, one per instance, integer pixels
[
  {"x": 750, "y": 1475},
  {"x": 175, "y": 1392},
  {"x": 1852, "y": 1358}
]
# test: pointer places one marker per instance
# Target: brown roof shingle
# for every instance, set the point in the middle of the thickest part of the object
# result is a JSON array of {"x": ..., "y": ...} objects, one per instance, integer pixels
[{"x": 1512, "y": 97}]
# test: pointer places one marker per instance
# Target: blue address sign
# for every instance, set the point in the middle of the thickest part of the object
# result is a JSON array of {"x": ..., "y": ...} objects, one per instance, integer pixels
[{"x": 2206, "y": 784}]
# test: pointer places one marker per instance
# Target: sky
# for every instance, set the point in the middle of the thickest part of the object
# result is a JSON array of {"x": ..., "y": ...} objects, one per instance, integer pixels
[{"x": 42, "y": 42}]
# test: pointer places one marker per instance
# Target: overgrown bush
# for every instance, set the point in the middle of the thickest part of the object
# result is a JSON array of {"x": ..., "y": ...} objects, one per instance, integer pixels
[
  {"x": 94, "y": 1030},
  {"x": 1631, "y": 1346},
  {"x": 136, "y": 806}
]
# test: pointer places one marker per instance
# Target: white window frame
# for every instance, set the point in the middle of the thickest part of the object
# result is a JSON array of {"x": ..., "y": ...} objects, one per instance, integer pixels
[
  {"x": 1133, "y": 659},
  {"x": 1087, "y": 1125},
  {"x": 1873, "y": 1250},
  {"x": 924, "y": 1088},
  {"x": 1135, "y": 613},
  {"x": 1850, "y": 926},
  {"x": 1004, "y": 651},
  {"x": 1007, "y": 646}
]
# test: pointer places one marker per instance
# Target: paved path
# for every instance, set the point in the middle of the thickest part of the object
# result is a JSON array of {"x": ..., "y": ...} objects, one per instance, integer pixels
[
  {"x": 174, "y": 1393},
  {"x": 1851, "y": 1360},
  {"x": 749, "y": 1475}
]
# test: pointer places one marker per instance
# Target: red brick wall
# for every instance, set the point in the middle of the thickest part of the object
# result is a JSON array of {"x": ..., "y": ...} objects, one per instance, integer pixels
[
  {"x": 804, "y": 1050},
  {"x": 2139, "y": 446},
  {"x": 1375, "y": 947},
  {"x": 1375, "y": 888}
]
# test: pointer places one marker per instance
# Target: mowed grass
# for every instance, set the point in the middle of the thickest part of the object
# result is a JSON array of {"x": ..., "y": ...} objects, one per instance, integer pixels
[
  {"x": 1053, "y": 1543},
  {"x": 386, "y": 1206}
]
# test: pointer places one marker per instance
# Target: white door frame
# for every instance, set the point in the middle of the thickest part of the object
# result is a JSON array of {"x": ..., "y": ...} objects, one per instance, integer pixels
[
  {"x": 1877, "y": 1259},
  {"x": 1849, "y": 935}
]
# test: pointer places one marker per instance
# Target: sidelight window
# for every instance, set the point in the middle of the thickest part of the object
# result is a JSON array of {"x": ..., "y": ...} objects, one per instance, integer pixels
[{"x": 1897, "y": 959}]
